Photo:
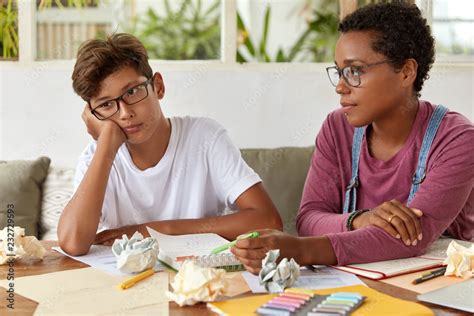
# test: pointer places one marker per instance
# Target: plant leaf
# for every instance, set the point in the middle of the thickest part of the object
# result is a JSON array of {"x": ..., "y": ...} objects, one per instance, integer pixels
[
  {"x": 240, "y": 59},
  {"x": 296, "y": 48},
  {"x": 263, "y": 41},
  {"x": 280, "y": 57},
  {"x": 247, "y": 42}
]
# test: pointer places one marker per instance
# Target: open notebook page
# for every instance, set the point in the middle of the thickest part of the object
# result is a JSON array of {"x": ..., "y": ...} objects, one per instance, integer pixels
[
  {"x": 172, "y": 246},
  {"x": 434, "y": 256}
]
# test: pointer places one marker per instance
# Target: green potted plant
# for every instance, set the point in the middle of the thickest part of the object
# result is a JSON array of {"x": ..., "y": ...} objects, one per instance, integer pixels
[
  {"x": 8, "y": 30},
  {"x": 9, "y": 40},
  {"x": 315, "y": 44},
  {"x": 190, "y": 32}
]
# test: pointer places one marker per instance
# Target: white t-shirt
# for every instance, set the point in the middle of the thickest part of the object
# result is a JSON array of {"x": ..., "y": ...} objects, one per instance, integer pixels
[{"x": 200, "y": 175}]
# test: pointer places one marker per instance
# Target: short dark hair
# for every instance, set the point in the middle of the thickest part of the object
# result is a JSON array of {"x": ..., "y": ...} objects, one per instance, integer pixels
[
  {"x": 99, "y": 58},
  {"x": 401, "y": 33}
]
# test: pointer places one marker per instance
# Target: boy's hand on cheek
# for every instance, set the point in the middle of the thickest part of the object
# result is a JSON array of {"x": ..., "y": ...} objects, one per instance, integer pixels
[
  {"x": 111, "y": 134},
  {"x": 106, "y": 130},
  {"x": 93, "y": 125}
]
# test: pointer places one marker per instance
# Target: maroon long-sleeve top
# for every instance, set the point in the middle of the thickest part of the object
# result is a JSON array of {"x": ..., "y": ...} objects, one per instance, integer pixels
[{"x": 446, "y": 196}]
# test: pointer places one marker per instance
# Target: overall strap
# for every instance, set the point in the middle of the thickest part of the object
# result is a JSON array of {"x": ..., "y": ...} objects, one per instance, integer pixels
[
  {"x": 350, "y": 199},
  {"x": 430, "y": 134}
]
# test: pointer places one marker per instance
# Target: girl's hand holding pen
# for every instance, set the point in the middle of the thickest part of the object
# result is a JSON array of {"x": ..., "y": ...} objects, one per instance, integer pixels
[{"x": 251, "y": 251}]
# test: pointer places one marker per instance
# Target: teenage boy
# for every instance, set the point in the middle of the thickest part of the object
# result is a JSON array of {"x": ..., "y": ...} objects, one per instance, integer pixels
[{"x": 176, "y": 175}]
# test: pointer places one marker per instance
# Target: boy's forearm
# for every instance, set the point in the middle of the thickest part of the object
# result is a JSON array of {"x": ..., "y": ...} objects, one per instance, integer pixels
[
  {"x": 228, "y": 226},
  {"x": 79, "y": 221}
]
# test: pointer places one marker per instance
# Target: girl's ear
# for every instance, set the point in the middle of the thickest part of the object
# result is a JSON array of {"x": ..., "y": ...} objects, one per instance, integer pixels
[
  {"x": 159, "y": 85},
  {"x": 409, "y": 72}
]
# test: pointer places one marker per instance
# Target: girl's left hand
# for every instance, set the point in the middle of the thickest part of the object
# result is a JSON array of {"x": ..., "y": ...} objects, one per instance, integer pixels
[{"x": 251, "y": 251}]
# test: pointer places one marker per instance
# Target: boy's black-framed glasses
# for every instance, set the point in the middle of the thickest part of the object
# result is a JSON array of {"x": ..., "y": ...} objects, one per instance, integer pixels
[
  {"x": 351, "y": 74},
  {"x": 133, "y": 95}
]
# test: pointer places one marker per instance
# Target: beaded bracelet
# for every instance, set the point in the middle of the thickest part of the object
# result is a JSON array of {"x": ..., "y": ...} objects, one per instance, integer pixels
[{"x": 353, "y": 215}]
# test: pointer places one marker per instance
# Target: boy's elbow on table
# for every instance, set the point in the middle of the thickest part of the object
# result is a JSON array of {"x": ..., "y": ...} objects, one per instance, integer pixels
[{"x": 73, "y": 246}]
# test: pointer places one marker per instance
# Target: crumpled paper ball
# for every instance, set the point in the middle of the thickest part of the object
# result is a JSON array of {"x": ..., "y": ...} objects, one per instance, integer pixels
[
  {"x": 135, "y": 254},
  {"x": 275, "y": 277},
  {"x": 24, "y": 246},
  {"x": 193, "y": 284},
  {"x": 460, "y": 260}
]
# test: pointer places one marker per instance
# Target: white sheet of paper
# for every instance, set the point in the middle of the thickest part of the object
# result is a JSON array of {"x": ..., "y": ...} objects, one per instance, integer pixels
[
  {"x": 100, "y": 257},
  {"x": 186, "y": 245},
  {"x": 324, "y": 278},
  {"x": 89, "y": 291}
]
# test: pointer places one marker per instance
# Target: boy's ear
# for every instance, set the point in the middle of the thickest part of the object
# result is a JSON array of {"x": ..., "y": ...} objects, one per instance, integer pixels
[{"x": 159, "y": 85}]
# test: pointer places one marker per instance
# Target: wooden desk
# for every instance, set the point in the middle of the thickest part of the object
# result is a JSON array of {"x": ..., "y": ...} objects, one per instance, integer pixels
[{"x": 53, "y": 262}]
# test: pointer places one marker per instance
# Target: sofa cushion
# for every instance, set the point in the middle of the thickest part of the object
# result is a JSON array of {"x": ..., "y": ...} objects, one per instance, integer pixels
[
  {"x": 283, "y": 171},
  {"x": 57, "y": 191},
  {"x": 21, "y": 183}
]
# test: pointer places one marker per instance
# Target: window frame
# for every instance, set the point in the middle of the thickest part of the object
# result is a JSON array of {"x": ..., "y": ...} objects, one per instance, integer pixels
[{"x": 27, "y": 48}]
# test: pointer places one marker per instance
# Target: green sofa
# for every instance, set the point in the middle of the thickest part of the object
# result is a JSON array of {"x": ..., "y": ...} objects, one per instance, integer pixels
[
  {"x": 40, "y": 191},
  {"x": 283, "y": 171}
]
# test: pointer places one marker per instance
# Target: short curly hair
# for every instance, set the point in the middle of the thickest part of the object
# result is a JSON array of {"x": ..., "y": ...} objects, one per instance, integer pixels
[
  {"x": 401, "y": 33},
  {"x": 99, "y": 58}
]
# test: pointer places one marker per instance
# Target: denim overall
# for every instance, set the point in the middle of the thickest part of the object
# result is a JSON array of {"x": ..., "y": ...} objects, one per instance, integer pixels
[{"x": 350, "y": 199}]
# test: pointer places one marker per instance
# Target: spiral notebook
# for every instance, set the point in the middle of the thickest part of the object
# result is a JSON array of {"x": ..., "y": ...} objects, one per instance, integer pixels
[{"x": 174, "y": 249}]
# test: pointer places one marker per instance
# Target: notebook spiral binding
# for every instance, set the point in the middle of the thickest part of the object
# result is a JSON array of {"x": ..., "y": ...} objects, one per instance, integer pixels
[{"x": 226, "y": 261}]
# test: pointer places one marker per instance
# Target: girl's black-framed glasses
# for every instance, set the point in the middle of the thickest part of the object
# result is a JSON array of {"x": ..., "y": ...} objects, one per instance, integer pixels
[{"x": 351, "y": 73}]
